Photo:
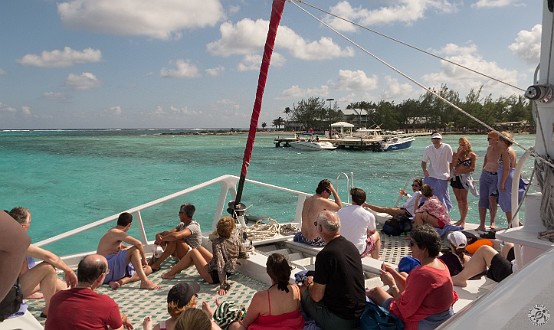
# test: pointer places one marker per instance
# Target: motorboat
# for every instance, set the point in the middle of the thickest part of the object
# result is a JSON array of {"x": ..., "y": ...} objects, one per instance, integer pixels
[
  {"x": 312, "y": 145},
  {"x": 397, "y": 143}
]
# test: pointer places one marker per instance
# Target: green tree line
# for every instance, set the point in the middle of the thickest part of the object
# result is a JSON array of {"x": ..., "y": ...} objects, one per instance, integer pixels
[{"x": 428, "y": 112}]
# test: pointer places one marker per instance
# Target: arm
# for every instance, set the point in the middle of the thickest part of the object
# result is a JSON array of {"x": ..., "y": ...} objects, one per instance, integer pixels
[
  {"x": 54, "y": 260},
  {"x": 14, "y": 242},
  {"x": 399, "y": 279},
  {"x": 424, "y": 168},
  {"x": 316, "y": 291},
  {"x": 506, "y": 170},
  {"x": 177, "y": 235},
  {"x": 136, "y": 243},
  {"x": 336, "y": 197},
  {"x": 253, "y": 310}
]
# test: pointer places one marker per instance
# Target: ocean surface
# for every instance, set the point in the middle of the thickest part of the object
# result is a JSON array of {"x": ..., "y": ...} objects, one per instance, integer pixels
[{"x": 73, "y": 177}]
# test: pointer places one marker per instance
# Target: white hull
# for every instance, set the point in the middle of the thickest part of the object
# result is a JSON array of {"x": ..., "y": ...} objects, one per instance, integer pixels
[{"x": 312, "y": 145}]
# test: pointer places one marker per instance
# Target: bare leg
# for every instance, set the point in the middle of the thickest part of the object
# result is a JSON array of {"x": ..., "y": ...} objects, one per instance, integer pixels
[
  {"x": 482, "y": 218},
  {"x": 181, "y": 249},
  {"x": 44, "y": 275},
  {"x": 394, "y": 211},
  {"x": 169, "y": 250},
  {"x": 478, "y": 263},
  {"x": 376, "y": 246},
  {"x": 461, "y": 198},
  {"x": 506, "y": 249},
  {"x": 493, "y": 206},
  {"x": 14, "y": 241},
  {"x": 425, "y": 217},
  {"x": 205, "y": 253},
  {"x": 140, "y": 271},
  {"x": 378, "y": 295},
  {"x": 509, "y": 218}
]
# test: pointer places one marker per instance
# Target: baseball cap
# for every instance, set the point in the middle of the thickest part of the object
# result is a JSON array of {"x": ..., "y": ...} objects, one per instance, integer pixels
[
  {"x": 182, "y": 293},
  {"x": 458, "y": 239},
  {"x": 436, "y": 135}
]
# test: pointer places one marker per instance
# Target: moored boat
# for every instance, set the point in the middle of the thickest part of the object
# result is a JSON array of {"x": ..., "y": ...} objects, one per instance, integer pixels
[
  {"x": 397, "y": 143},
  {"x": 310, "y": 145}
]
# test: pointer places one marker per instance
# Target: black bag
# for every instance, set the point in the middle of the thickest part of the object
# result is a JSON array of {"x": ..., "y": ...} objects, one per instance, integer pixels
[
  {"x": 397, "y": 226},
  {"x": 376, "y": 317},
  {"x": 11, "y": 302}
]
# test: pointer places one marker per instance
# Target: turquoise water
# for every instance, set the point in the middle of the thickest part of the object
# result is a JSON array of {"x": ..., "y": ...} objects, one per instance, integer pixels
[{"x": 71, "y": 178}]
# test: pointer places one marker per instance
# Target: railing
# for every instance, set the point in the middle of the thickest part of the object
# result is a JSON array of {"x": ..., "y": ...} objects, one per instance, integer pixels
[{"x": 228, "y": 186}]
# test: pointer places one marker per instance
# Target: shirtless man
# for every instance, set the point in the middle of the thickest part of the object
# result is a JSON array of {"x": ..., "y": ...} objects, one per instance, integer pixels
[
  {"x": 119, "y": 256},
  {"x": 313, "y": 205},
  {"x": 488, "y": 182}
]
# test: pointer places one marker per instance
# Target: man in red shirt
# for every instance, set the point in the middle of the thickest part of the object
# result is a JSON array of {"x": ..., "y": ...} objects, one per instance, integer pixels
[{"x": 81, "y": 307}]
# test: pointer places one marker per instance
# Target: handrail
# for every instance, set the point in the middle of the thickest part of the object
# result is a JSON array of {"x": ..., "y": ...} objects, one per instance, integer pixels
[
  {"x": 349, "y": 184},
  {"x": 228, "y": 183}
]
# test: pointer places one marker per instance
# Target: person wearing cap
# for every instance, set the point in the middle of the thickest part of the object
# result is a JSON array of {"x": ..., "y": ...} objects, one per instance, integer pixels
[
  {"x": 488, "y": 182},
  {"x": 178, "y": 241},
  {"x": 179, "y": 298},
  {"x": 436, "y": 168},
  {"x": 456, "y": 257}
]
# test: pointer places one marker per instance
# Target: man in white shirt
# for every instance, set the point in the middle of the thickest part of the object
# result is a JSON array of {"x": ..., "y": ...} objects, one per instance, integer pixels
[
  {"x": 437, "y": 172},
  {"x": 358, "y": 225}
]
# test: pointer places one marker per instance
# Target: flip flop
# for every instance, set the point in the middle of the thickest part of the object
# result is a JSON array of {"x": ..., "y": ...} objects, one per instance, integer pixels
[{"x": 489, "y": 234}]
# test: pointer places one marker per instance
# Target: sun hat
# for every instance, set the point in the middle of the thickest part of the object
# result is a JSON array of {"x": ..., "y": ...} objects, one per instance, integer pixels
[
  {"x": 408, "y": 263},
  {"x": 182, "y": 293},
  {"x": 458, "y": 239},
  {"x": 436, "y": 135},
  {"x": 493, "y": 134}
]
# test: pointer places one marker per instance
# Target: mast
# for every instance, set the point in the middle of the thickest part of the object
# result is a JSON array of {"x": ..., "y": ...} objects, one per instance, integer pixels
[{"x": 276, "y": 13}]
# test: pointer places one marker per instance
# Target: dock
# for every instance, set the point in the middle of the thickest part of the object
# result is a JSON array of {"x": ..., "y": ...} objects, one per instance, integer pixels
[{"x": 351, "y": 142}]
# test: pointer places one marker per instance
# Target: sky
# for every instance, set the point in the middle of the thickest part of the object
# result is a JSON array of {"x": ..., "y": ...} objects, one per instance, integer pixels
[{"x": 195, "y": 64}]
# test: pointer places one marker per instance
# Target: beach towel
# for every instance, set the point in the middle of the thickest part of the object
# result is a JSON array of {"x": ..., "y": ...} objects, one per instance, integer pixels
[
  {"x": 446, "y": 229},
  {"x": 118, "y": 267}
]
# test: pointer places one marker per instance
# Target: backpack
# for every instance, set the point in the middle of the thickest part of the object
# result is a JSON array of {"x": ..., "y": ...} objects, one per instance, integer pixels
[
  {"x": 11, "y": 302},
  {"x": 375, "y": 317},
  {"x": 397, "y": 226}
]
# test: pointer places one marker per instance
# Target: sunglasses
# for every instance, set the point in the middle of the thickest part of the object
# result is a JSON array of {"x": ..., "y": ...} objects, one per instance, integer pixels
[{"x": 415, "y": 185}]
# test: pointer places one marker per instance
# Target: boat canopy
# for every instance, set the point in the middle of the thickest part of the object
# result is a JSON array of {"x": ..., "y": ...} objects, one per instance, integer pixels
[{"x": 342, "y": 125}]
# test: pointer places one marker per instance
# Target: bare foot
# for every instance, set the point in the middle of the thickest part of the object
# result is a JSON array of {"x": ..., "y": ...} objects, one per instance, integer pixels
[
  {"x": 168, "y": 276},
  {"x": 147, "y": 323},
  {"x": 149, "y": 285},
  {"x": 458, "y": 282},
  {"x": 36, "y": 295},
  {"x": 115, "y": 285},
  {"x": 461, "y": 223}
]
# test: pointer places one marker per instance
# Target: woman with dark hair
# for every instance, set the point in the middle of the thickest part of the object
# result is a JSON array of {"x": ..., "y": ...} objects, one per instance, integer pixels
[
  {"x": 433, "y": 211},
  {"x": 180, "y": 298},
  {"x": 423, "y": 299},
  {"x": 408, "y": 208},
  {"x": 456, "y": 258},
  {"x": 277, "y": 307}
]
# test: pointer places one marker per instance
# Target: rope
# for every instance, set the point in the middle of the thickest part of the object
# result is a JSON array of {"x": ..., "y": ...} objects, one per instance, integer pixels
[
  {"x": 429, "y": 90},
  {"x": 260, "y": 230}
]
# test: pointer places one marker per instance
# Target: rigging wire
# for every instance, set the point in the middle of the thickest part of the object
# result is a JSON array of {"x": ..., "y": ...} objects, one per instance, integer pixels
[
  {"x": 410, "y": 46},
  {"x": 429, "y": 90}
]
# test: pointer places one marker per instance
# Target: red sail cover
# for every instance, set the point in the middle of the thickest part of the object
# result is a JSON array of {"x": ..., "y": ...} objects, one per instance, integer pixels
[{"x": 276, "y": 13}]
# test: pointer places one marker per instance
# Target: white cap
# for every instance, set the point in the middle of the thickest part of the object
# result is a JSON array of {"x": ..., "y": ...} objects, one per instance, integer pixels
[
  {"x": 458, "y": 239},
  {"x": 436, "y": 136}
]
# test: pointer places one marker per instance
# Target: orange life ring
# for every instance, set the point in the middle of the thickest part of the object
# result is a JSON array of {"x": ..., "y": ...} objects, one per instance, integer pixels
[{"x": 472, "y": 248}]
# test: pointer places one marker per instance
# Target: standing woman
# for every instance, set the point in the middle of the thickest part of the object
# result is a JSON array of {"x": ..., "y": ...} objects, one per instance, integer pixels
[
  {"x": 463, "y": 164},
  {"x": 506, "y": 168}
]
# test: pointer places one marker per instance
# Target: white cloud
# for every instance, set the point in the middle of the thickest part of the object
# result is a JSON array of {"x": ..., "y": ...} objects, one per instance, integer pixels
[
  {"x": 183, "y": 69},
  {"x": 395, "y": 90},
  {"x": 2, "y": 72},
  {"x": 174, "y": 111},
  {"x": 355, "y": 81},
  {"x": 248, "y": 36},
  {"x": 55, "y": 96},
  {"x": 404, "y": 11},
  {"x": 215, "y": 71},
  {"x": 252, "y": 62},
  {"x": 462, "y": 80},
  {"x": 6, "y": 108},
  {"x": 493, "y": 3},
  {"x": 84, "y": 81},
  {"x": 61, "y": 58},
  {"x": 161, "y": 19},
  {"x": 26, "y": 110},
  {"x": 114, "y": 111},
  {"x": 296, "y": 93},
  {"x": 528, "y": 44}
]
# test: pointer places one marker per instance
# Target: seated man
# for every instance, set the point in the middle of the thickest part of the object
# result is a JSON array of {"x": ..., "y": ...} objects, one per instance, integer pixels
[
  {"x": 358, "y": 226},
  {"x": 312, "y": 206},
  {"x": 334, "y": 296},
  {"x": 179, "y": 240},
  {"x": 126, "y": 264},
  {"x": 486, "y": 259},
  {"x": 72, "y": 309},
  {"x": 408, "y": 208},
  {"x": 43, "y": 276}
]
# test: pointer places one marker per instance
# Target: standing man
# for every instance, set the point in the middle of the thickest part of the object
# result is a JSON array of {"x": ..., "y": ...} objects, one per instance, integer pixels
[
  {"x": 334, "y": 296},
  {"x": 178, "y": 241},
  {"x": 313, "y": 205},
  {"x": 82, "y": 308},
  {"x": 437, "y": 173},
  {"x": 125, "y": 263},
  {"x": 488, "y": 182},
  {"x": 358, "y": 225}
]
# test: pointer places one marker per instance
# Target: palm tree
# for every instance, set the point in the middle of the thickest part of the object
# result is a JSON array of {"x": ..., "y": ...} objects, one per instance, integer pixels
[
  {"x": 287, "y": 112},
  {"x": 264, "y": 125}
]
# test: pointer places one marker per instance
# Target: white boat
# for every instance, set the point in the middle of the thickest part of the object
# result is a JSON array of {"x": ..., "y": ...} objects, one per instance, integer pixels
[
  {"x": 523, "y": 300},
  {"x": 311, "y": 145},
  {"x": 369, "y": 133},
  {"x": 397, "y": 143}
]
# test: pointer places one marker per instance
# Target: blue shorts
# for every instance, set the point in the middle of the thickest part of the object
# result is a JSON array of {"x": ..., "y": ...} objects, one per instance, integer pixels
[
  {"x": 488, "y": 186},
  {"x": 317, "y": 242},
  {"x": 118, "y": 266},
  {"x": 505, "y": 197}
]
